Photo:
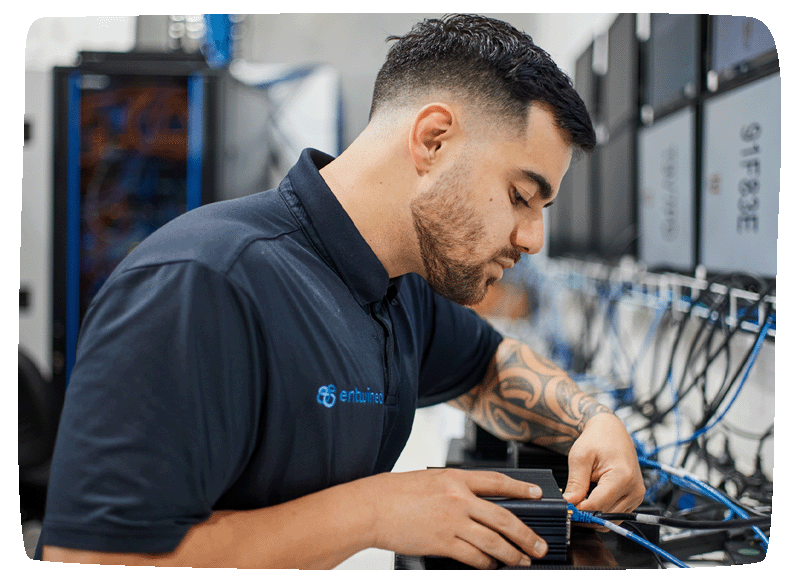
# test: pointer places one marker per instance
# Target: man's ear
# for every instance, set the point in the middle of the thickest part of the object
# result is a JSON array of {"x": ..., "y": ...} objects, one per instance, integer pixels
[{"x": 433, "y": 130}]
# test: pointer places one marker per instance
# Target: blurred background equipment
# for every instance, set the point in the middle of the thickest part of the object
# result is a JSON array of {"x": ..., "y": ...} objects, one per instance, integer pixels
[
  {"x": 136, "y": 135},
  {"x": 119, "y": 143},
  {"x": 658, "y": 295}
]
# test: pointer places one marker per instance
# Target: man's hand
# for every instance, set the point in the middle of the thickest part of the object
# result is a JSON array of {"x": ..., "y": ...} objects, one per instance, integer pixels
[
  {"x": 604, "y": 454},
  {"x": 527, "y": 398},
  {"x": 439, "y": 512}
]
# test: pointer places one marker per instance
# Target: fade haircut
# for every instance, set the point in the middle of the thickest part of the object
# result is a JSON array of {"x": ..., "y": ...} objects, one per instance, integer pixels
[{"x": 491, "y": 64}]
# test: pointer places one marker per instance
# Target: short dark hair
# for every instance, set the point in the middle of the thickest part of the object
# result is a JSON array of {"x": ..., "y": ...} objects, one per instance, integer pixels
[{"x": 489, "y": 61}]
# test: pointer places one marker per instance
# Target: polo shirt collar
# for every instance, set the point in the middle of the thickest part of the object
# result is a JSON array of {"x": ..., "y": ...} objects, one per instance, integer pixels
[{"x": 334, "y": 234}]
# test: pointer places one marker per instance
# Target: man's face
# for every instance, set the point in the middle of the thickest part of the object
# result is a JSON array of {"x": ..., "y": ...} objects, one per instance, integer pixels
[{"x": 484, "y": 209}]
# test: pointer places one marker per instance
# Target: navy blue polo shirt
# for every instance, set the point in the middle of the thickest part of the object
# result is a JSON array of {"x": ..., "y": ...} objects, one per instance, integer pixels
[{"x": 247, "y": 353}]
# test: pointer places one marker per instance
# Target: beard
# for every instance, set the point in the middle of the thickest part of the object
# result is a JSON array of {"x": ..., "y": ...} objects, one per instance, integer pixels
[{"x": 450, "y": 232}]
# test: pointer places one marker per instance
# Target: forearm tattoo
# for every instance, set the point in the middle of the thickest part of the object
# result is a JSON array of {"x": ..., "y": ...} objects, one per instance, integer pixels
[{"x": 525, "y": 397}]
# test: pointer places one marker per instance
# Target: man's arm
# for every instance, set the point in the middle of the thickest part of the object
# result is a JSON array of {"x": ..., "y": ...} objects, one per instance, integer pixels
[
  {"x": 525, "y": 397},
  {"x": 315, "y": 531},
  {"x": 428, "y": 512}
]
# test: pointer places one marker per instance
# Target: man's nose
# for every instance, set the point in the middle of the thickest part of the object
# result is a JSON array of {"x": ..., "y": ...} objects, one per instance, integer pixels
[{"x": 529, "y": 235}]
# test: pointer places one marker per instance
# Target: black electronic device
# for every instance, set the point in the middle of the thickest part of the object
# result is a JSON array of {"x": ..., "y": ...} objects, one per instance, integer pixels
[
  {"x": 582, "y": 213},
  {"x": 739, "y": 48},
  {"x": 741, "y": 163},
  {"x": 529, "y": 456},
  {"x": 548, "y": 517},
  {"x": 667, "y": 200},
  {"x": 614, "y": 200},
  {"x": 618, "y": 217},
  {"x": 620, "y": 87},
  {"x": 671, "y": 74},
  {"x": 572, "y": 217},
  {"x": 558, "y": 218}
]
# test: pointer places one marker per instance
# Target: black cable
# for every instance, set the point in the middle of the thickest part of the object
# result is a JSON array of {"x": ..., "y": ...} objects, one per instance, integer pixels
[
  {"x": 656, "y": 417},
  {"x": 669, "y": 321},
  {"x": 611, "y": 318},
  {"x": 727, "y": 369},
  {"x": 649, "y": 407},
  {"x": 734, "y": 281},
  {"x": 714, "y": 311},
  {"x": 761, "y": 521},
  {"x": 715, "y": 405},
  {"x": 717, "y": 402},
  {"x": 711, "y": 321}
]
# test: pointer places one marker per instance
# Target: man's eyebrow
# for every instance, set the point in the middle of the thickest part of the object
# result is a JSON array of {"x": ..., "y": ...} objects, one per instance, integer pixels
[{"x": 545, "y": 189}]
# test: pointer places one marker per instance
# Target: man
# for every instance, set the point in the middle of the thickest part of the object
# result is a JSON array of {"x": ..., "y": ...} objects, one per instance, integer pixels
[{"x": 247, "y": 377}]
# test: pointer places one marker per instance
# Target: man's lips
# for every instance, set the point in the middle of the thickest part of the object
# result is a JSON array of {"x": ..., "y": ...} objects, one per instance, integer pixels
[{"x": 505, "y": 263}]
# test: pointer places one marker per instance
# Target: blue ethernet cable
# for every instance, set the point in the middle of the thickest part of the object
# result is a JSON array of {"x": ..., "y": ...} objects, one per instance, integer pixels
[
  {"x": 651, "y": 331},
  {"x": 703, "y": 488},
  {"x": 585, "y": 517},
  {"x": 750, "y": 361}
]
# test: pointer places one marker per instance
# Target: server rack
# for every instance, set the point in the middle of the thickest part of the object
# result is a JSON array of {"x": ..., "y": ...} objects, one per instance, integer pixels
[
  {"x": 738, "y": 180},
  {"x": 666, "y": 192},
  {"x": 668, "y": 142},
  {"x": 616, "y": 176},
  {"x": 134, "y": 137},
  {"x": 741, "y": 173},
  {"x": 572, "y": 218}
]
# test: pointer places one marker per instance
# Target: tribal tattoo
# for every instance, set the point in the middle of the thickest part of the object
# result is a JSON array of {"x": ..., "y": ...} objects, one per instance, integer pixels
[{"x": 525, "y": 397}]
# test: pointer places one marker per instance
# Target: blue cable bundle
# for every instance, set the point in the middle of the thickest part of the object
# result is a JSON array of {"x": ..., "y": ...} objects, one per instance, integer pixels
[
  {"x": 585, "y": 517},
  {"x": 685, "y": 479}
]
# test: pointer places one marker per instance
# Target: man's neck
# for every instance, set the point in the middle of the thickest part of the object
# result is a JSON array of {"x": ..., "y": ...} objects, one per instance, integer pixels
[{"x": 373, "y": 183}]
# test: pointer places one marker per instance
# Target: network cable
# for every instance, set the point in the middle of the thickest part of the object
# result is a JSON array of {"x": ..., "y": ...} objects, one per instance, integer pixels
[
  {"x": 651, "y": 402},
  {"x": 655, "y": 415},
  {"x": 731, "y": 524},
  {"x": 714, "y": 406},
  {"x": 686, "y": 479},
  {"x": 747, "y": 365},
  {"x": 585, "y": 517}
]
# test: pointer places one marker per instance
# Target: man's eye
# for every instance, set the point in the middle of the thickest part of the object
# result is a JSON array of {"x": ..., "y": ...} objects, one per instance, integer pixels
[{"x": 517, "y": 197}]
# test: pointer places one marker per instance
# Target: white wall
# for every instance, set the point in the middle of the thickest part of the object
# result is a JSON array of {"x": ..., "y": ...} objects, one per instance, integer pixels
[
  {"x": 565, "y": 36},
  {"x": 55, "y": 41},
  {"x": 355, "y": 44}
]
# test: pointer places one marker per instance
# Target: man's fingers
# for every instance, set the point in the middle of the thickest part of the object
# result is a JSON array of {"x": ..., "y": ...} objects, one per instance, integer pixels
[
  {"x": 492, "y": 521},
  {"x": 496, "y": 530},
  {"x": 613, "y": 493},
  {"x": 484, "y": 483},
  {"x": 580, "y": 473},
  {"x": 493, "y": 545},
  {"x": 470, "y": 555},
  {"x": 603, "y": 498}
]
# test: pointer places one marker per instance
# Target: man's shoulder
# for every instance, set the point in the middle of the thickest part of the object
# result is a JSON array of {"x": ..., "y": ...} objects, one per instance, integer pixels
[{"x": 216, "y": 234}]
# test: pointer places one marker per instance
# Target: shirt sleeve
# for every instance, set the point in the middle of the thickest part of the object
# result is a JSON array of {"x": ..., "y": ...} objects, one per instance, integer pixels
[
  {"x": 459, "y": 347},
  {"x": 160, "y": 412}
]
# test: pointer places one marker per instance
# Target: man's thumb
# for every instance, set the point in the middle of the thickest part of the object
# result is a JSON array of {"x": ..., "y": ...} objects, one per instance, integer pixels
[{"x": 577, "y": 483}]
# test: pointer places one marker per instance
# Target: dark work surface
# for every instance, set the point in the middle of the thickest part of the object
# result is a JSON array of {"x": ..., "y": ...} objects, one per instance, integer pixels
[{"x": 589, "y": 549}]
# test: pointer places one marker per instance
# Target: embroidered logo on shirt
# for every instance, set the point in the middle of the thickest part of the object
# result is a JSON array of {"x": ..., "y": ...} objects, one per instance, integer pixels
[{"x": 326, "y": 396}]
